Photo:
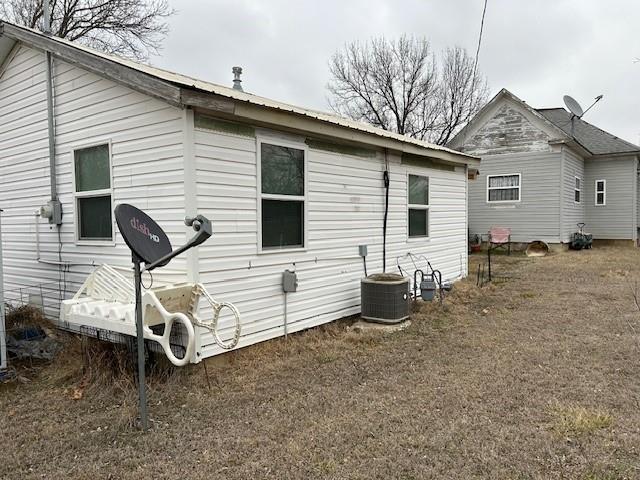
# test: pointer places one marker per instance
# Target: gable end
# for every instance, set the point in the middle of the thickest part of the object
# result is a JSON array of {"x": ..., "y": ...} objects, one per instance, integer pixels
[{"x": 508, "y": 130}]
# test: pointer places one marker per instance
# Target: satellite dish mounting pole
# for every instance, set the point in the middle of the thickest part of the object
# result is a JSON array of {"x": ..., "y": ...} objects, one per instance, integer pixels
[
  {"x": 142, "y": 390},
  {"x": 149, "y": 244}
]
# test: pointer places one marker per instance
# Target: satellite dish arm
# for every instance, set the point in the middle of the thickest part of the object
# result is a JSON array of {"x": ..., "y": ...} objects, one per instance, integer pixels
[
  {"x": 598, "y": 98},
  {"x": 202, "y": 225}
]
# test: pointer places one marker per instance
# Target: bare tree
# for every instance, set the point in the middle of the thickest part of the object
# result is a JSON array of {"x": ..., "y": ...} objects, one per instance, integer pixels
[
  {"x": 400, "y": 86},
  {"x": 461, "y": 93},
  {"x": 132, "y": 28}
]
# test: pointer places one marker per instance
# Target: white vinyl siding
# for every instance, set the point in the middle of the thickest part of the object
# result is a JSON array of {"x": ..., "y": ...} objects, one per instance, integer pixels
[
  {"x": 345, "y": 203},
  {"x": 146, "y": 163},
  {"x": 503, "y": 188}
]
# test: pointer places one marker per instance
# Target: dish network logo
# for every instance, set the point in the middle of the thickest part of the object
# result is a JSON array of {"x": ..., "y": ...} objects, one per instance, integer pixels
[{"x": 142, "y": 228}]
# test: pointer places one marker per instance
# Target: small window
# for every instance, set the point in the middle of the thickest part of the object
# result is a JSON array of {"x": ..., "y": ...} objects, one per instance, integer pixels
[
  {"x": 503, "y": 188},
  {"x": 577, "y": 190},
  {"x": 601, "y": 192},
  {"x": 282, "y": 191},
  {"x": 92, "y": 180},
  {"x": 418, "y": 206}
]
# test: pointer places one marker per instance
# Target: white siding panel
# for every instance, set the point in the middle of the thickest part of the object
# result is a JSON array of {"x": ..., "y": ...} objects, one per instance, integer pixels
[
  {"x": 147, "y": 143},
  {"x": 345, "y": 209},
  {"x": 345, "y": 202}
]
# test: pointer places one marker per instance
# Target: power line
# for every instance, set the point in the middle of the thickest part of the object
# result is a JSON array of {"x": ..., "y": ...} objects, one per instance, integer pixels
[{"x": 475, "y": 64}]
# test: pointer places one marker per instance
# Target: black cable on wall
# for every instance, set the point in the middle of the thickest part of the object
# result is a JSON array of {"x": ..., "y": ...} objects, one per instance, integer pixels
[{"x": 385, "y": 177}]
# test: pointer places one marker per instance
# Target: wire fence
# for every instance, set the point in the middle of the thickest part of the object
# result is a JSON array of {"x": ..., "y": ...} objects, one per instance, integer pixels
[
  {"x": 25, "y": 306},
  {"x": 45, "y": 297}
]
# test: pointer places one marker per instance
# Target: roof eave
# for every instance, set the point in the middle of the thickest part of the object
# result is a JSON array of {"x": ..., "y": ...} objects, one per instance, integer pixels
[
  {"x": 130, "y": 77},
  {"x": 573, "y": 144},
  {"x": 632, "y": 153},
  {"x": 292, "y": 121},
  {"x": 180, "y": 96}
]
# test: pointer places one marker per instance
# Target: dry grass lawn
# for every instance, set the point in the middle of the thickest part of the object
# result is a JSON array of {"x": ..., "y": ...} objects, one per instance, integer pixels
[{"x": 533, "y": 377}]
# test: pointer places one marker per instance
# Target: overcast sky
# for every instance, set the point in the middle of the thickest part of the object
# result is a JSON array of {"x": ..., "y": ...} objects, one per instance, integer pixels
[{"x": 538, "y": 49}]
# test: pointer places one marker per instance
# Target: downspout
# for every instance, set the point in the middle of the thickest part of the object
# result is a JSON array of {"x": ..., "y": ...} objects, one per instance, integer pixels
[
  {"x": 563, "y": 155},
  {"x": 53, "y": 209},
  {"x": 635, "y": 202},
  {"x": 3, "y": 340}
]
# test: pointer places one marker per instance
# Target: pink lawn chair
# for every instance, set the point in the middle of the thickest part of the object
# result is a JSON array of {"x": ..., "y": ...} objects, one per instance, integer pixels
[{"x": 500, "y": 237}]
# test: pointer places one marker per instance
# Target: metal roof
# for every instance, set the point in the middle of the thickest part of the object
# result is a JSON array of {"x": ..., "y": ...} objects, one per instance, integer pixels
[
  {"x": 594, "y": 139},
  {"x": 228, "y": 92}
]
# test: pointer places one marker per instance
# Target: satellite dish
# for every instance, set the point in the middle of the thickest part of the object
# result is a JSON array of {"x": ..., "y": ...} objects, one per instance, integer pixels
[
  {"x": 573, "y": 106},
  {"x": 142, "y": 234}
]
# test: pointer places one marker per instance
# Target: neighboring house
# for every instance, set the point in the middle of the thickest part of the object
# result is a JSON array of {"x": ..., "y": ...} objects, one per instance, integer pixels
[
  {"x": 285, "y": 187},
  {"x": 542, "y": 172}
]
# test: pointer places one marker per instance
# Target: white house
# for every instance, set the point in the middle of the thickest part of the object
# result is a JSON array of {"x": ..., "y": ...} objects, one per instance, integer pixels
[{"x": 285, "y": 187}]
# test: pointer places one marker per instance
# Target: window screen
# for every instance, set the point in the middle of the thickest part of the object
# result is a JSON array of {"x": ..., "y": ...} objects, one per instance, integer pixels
[
  {"x": 418, "y": 206},
  {"x": 95, "y": 217},
  {"x": 601, "y": 192},
  {"x": 282, "y": 224},
  {"x": 92, "y": 171},
  {"x": 92, "y": 168},
  {"x": 282, "y": 171}
]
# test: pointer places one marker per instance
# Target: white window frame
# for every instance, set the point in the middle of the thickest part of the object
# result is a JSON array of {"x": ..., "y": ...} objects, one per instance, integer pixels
[
  {"x": 280, "y": 142},
  {"x": 603, "y": 191},
  {"x": 419, "y": 206},
  {"x": 519, "y": 187},
  {"x": 92, "y": 193},
  {"x": 577, "y": 189}
]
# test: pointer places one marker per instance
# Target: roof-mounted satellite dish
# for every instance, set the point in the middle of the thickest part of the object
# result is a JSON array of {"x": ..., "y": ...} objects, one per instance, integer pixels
[{"x": 573, "y": 106}]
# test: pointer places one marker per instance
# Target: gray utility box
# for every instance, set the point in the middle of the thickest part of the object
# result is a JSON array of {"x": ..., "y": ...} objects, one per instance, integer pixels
[
  {"x": 384, "y": 298},
  {"x": 289, "y": 281},
  {"x": 427, "y": 290}
]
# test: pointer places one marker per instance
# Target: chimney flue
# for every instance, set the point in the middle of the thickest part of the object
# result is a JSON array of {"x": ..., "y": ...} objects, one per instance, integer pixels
[{"x": 237, "y": 81}]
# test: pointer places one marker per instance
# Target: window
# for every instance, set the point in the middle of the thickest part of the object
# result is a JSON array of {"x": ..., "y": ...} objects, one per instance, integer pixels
[
  {"x": 92, "y": 191},
  {"x": 282, "y": 196},
  {"x": 577, "y": 190},
  {"x": 418, "y": 206},
  {"x": 503, "y": 188},
  {"x": 601, "y": 192}
]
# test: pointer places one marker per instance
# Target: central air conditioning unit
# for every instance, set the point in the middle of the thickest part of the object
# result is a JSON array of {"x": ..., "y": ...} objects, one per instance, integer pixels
[{"x": 384, "y": 298}]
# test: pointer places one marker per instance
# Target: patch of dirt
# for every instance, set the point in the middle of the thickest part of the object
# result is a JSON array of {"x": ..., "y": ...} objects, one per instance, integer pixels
[{"x": 534, "y": 376}]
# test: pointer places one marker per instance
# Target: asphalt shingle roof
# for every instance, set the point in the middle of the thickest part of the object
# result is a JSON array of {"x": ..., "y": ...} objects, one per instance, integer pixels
[{"x": 597, "y": 141}]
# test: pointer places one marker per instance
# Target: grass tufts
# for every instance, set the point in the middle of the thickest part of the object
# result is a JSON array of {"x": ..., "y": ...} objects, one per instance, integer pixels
[{"x": 575, "y": 420}]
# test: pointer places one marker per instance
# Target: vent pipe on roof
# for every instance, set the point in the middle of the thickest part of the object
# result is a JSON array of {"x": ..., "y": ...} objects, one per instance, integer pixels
[
  {"x": 237, "y": 81},
  {"x": 46, "y": 13}
]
